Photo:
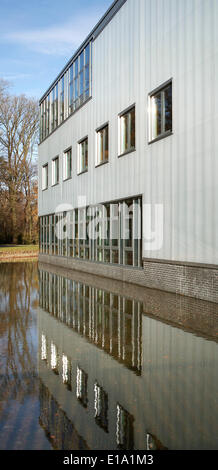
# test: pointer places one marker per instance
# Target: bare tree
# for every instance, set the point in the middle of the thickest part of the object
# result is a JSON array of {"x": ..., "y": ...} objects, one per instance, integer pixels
[{"x": 19, "y": 121}]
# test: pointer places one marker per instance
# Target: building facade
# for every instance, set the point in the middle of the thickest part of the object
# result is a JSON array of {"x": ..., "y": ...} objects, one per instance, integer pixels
[{"x": 128, "y": 150}]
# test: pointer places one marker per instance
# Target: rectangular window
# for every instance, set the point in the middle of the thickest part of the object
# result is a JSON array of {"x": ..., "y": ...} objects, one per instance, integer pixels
[
  {"x": 82, "y": 387},
  {"x": 160, "y": 112},
  {"x": 66, "y": 371},
  {"x": 125, "y": 429},
  {"x": 83, "y": 156},
  {"x": 56, "y": 105},
  {"x": 44, "y": 119},
  {"x": 45, "y": 177},
  {"x": 127, "y": 131},
  {"x": 67, "y": 164},
  {"x": 87, "y": 71},
  {"x": 102, "y": 145},
  {"x": 53, "y": 109},
  {"x": 70, "y": 92},
  {"x": 47, "y": 115},
  {"x": 62, "y": 100},
  {"x": 41, "y": 121},
  {"x": 54, "y": 359},
  {"x": 81, "y": 78},
  {"x": 71, "y": 83},
  {"x": 44, "y": 352},
  {"x": 55, "y": 171},
  {"x": 101, "y": 407},
  {"x": 76, "y": 84},
  {"x": 115, "y": 236}
]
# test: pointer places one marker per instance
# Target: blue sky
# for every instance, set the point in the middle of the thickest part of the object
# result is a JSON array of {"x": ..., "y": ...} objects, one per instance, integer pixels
[{"x": 38, "y": 37}]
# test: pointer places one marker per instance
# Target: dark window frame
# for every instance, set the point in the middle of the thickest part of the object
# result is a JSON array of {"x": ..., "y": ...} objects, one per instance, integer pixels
[
  {"x": 130, "y": 148},
  {"x": 58, "y": 180},
  {"x": 98, "y": 131},
  {"x": 85, "y": 168},
  {"x": 160, "y": 90},
  {"x": 43, "y": 167},
  {"x": 65, "y": 176}
]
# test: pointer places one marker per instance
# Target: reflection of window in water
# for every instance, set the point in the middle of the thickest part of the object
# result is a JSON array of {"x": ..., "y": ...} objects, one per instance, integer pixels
[
  {"x": 59, "y": 429},
  {"x": 43, "y": 348},
  {"x": 152, "y": 443},
  {"x": 81, "y": 387},
  {"x": 66, "y": 371},
  {"x": 101, "y": 407},
  {"x": 54, "y": 358},
  {"x": 125, "y": 430}
]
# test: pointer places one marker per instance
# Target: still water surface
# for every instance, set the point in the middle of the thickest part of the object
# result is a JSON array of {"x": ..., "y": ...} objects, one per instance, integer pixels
[{"x": 87, "y": 363}]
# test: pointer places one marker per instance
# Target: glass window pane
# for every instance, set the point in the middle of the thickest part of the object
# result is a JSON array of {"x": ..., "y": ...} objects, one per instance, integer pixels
[
  {"x": 81, "y": 82},
  {"x": 106, "y": 256},
  {"x": 71, "y": 95},
  {"x": 76, "y": 67},
  {"x": 76, "y": 91},
  {"x": 156, "y": 112},
  {"x": 56, "y": 171},
  {"x": 101, "y": 147},
  {"x": 86, "y": 153},
  {"x": 132, "y": 127},
  {"x": 71, "y": 73},
  {"x": 106, "y": 143},
  {"x": 115, "y": 257},
  {"x": 161, "y": 111},
  {"x": 168, "y": 108},
  {"x": 81, "y": 64},
  {"x": 125, "y": 132},
  {"x": 129, "y": 258},
  {"x": 68, "y": 164},
  {"x": 87, "y": 54},
  {"x": 56, "y": 105},
  {"x": 86, "y": 78},
  {"x": 83, "y": 164},
  {"x": 45, "y": 177}
]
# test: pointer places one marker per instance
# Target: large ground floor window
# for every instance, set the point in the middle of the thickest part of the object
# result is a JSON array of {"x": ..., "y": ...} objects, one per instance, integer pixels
[{"x": 107, "y": 233}]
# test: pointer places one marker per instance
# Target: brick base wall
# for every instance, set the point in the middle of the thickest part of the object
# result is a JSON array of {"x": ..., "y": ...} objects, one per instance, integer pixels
[{"x": 192, "y": 281}]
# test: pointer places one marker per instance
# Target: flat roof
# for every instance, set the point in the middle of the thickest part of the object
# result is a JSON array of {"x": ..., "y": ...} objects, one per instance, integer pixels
[{"x": 106, "y": 18}]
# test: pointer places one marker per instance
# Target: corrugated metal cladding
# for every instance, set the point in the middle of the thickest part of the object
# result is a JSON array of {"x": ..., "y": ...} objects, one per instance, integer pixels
[{"x": 146, "y": 43}]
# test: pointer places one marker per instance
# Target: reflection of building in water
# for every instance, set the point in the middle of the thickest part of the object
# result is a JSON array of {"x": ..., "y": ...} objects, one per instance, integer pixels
[
  {"x": 111, "y": 322},
  {"x": 147, "y": 385},
  {"x": 59, "y": 429}
]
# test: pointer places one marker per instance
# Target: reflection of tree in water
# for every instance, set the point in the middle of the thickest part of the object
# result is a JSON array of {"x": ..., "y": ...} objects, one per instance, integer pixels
[{"x": 18, "y": 295}]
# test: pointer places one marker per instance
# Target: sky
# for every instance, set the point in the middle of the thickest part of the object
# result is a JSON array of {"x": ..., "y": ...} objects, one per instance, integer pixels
[{"x": 38, "y": 37}]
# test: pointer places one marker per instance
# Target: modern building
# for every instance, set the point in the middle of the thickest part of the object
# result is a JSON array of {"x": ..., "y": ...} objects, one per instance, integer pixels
[{"x": 128, "y": 150}]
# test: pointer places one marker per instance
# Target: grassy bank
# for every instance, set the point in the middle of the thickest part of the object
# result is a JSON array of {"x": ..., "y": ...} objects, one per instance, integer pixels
[{"x": 12, "y": 252}]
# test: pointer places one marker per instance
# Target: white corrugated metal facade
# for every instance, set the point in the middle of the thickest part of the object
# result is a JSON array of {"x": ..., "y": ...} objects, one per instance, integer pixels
[{"x": 145, "y": 44}]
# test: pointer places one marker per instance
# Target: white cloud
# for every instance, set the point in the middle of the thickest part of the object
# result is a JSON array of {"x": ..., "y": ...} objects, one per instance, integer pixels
[
  {"x": 60, "y": 40},
  {"x": 15, "y": 76}
]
